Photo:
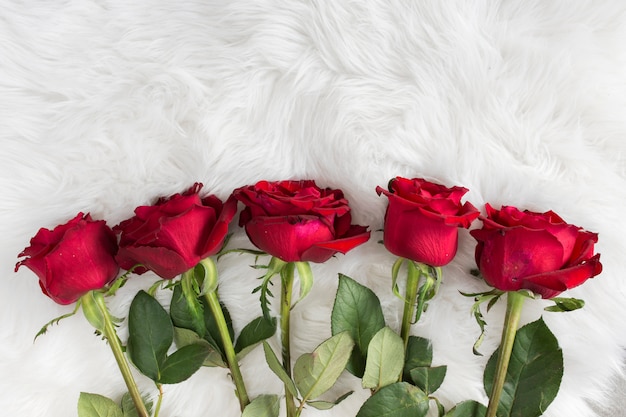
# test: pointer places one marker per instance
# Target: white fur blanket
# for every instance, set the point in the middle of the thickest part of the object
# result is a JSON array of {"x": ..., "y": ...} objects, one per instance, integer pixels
[{"x": 107, "y": 104}]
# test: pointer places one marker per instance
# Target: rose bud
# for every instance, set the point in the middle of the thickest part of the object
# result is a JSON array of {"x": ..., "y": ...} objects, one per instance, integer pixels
[
  {"x": 534, "y": 251},
  {"x": 175, "y": 234},
  {"x": 73, "y": 258},
  {"x": 298, "y": 221},
  {"x": 422, "y": 219}
]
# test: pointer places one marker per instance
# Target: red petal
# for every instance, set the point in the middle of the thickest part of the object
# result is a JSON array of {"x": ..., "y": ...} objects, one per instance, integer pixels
[
  {"x": 81, "y": 262},
  {"x": 418, "y": 236},
  {"x": 287, "y": 237},
  {"x": 220, "y": 229},
  {"x": 507, "y": 256},
  {"x": 164, "y": 262},
  {"x": 551, "y": 284}
]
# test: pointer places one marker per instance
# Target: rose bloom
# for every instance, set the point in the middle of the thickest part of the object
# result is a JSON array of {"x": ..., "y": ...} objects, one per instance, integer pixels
[
  {"x": 175, "y": 234},
  {"x": 534, "y": 251},
  {"x": 422, "y": 219},
  {"x": 73, "y": 258},
  {"x": 298, "y": 221}
]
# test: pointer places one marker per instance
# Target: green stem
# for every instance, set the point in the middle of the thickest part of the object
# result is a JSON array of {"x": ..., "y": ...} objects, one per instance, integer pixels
[
  {"x": 286, "y": 275},
  {"x": 412, "y": 282},
  {"x": 229, "y": 349},
  {"x": 108, "y": 330},
  {"x": 159, "y": 401},
  {"x": 515, "y": 302}
]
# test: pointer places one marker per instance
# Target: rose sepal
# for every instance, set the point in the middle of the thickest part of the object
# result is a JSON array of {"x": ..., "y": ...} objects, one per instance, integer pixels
[
  {"x": 305, "y": 276},
  {"x": 92, "y": 311},
  {"x": 274, "y": 267},
  {"x": 56, "y": 320},
  {"x": 489, "y": 297},
  {"x": 565, "y": 304}
]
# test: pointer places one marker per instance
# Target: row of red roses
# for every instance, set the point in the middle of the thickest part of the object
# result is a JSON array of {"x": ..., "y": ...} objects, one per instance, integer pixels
[{"x": 298, "y": 221}]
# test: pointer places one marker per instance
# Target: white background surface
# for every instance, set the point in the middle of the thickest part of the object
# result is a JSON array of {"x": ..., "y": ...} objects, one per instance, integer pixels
[{"x": 106, "y": 105}]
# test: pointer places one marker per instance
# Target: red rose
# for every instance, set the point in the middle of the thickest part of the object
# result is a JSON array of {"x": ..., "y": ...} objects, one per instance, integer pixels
[
  {"x": 422, "y": 219},
  {"x": 297, "y": 221},
  {"x": 175, "y": 234},
  {"x": 534, "y": 251},
  {"x": 73, "y": 258}
]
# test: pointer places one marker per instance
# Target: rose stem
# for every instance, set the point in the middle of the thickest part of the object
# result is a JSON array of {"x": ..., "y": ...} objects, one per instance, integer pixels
[
  {"x": 159, "y": 401},
  {"x": 412, "y": 281},
  {"x": 514, "y": 304},
  {"x": 108, "y": 331},
  {"x": 229, "y": 349},
  {"x": 286, "y": 275}
]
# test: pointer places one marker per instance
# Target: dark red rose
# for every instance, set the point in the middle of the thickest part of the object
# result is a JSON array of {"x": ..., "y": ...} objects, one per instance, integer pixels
[
  {"x": 534, "y": 251},
  {"x": 422, "y": 219},
  {"x": 175, "y": 234},
  {"x": 297, "y": 221},
  {"x": 73, "y": 258}
]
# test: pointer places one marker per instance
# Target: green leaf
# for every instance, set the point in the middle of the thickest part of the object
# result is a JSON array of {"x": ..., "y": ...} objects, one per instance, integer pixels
[
  {"x": 315, "y": 373},
  {"x": 428, "y": 379},
  {"x": 193, "y": 307},
  {"x": 214, "y": 360},
  {"x": 385, "y": 359},
  {"x": 396, "y": 400},
  {"x": 356, "y": 310},
  {"x": 327, "y": 405},
  {"x": 95, "y": 405},
  {"x": 254, "y": 333},
  {"x": 263, "y": 406},
  {"x": 183, "y": 363},
  {"x": 183, "y": 317},
  {"x": 534, "y": 374},
  {"x": 128, "y": 406},
  {"x": 469, "y": 408},
  {"x": 419, "y": 353},
  {"x": 562, "y": 304},
  {"x": 150, "y": 334},
  {"x": 184, "y": 337},
  {"x": 181, "y": 312},
  {"x": 277, "y": 368}
]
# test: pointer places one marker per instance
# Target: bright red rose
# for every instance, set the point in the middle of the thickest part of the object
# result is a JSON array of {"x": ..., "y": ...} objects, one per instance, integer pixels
[
  {"x": 73, "y": 258},
  {"x": 422, "y": 219},
  {"x": 534, "y": 251},
  {"x": 297, "y": 221},
  {"x": 175, "y": 234}
]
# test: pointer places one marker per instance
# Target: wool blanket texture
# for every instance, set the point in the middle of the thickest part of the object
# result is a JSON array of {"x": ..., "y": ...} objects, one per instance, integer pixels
[{"x": 106, "y": 105}]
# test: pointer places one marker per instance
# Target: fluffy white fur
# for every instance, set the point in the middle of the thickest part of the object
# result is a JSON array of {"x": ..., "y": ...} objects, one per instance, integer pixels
[{"x": 106, "y": 105}]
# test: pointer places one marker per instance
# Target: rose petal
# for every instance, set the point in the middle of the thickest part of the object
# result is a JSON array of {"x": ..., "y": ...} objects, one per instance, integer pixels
[
  {"x": 82, "y": 261},
  {"x": 164, "y": 262},
  {"x": 185, "y": 233},
  {"x": 322, "y": 251},
  {"x": 287, "y": 237},
  {"x": 218, "y": 234},
  {"x": 507, "y": 256},
  {"x": 418, "y": 235},
  {"x": 550, "y": 284}
]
